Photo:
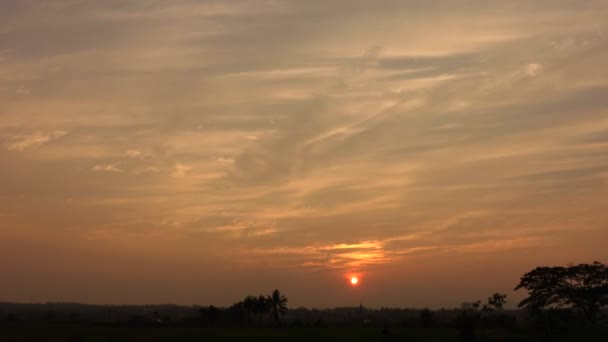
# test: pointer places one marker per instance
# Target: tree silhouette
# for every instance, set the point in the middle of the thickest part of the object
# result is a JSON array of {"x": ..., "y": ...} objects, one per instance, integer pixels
[
  {"x": 261, "y": 306},
  {"x": 250, "y": 306},
  {"x": 278, "y": 304},
  {"x": 210, "y": 315},
  {"x": 496, "y": 302},
  {"x": 582, "y": 287}
]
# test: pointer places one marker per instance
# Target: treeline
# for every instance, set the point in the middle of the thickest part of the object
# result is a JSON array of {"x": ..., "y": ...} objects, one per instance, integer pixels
[
  {"x": 250, "y": 310},
  {"x": 558, "y": 298}
]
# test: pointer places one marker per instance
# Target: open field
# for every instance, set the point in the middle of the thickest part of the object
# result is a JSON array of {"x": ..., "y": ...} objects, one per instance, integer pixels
[{"x": 40, "y": 331}]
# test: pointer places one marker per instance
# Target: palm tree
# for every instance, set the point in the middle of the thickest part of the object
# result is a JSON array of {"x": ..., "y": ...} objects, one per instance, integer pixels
[{"x": 278, "y": 304}]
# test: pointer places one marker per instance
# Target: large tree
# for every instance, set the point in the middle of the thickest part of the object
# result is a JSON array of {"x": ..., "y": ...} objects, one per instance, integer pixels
[{"x": 582, "y": 287}]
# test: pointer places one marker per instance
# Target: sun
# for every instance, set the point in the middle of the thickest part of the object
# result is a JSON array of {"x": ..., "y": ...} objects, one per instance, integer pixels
[{"x": 354, "y": 280}]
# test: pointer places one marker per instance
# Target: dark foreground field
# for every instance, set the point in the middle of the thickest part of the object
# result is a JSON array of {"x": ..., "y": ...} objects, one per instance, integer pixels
[{"x": 41, "y": 331}]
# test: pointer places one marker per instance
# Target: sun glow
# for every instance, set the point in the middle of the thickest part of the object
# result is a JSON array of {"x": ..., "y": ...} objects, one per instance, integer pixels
[{"x": 354, "y": 280}]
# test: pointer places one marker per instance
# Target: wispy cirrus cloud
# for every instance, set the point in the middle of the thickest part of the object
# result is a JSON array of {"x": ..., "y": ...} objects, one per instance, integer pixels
[
  {"x": 106, "y": 168},
  {"x": 20, "y": 142}
]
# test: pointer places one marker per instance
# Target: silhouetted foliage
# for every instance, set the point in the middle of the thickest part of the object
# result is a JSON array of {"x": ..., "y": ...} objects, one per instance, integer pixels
[
  {"x": 214, "y": 314},
  {"x": 474, "y": 321},
  {"x": 471, "y": 306},
  {"x": 582, "y": 287},
  {"x": 496, "y": 302},
  {"x": 236, "y": 314},
  {"x": 261, "y": 307},
  {"x": 209, "y": 316},
  {"x": 278, "y": 305},
  {"x": 250, "y": 306},
  {"x": 275, "y": 303}
]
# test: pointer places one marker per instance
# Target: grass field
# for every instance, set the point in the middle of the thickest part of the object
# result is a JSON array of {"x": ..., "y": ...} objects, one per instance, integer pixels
[{"x": 29, "y": 331}]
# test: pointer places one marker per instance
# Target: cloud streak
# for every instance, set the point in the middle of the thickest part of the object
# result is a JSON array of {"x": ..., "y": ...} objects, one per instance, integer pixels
[{"x": 22, "y": 142}]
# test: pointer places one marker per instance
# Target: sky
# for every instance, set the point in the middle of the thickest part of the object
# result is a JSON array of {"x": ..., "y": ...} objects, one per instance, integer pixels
[{"x": 195, "y": 152}]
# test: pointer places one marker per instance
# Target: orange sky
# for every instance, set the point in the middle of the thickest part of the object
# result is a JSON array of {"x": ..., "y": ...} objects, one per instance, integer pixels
[{"x": 194, "y": 152}]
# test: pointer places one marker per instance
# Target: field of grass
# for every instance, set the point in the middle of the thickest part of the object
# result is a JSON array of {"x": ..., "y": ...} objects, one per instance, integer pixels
[
  {"x": 65, "y": 332},
  {"x": 92, "y": 333}
]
